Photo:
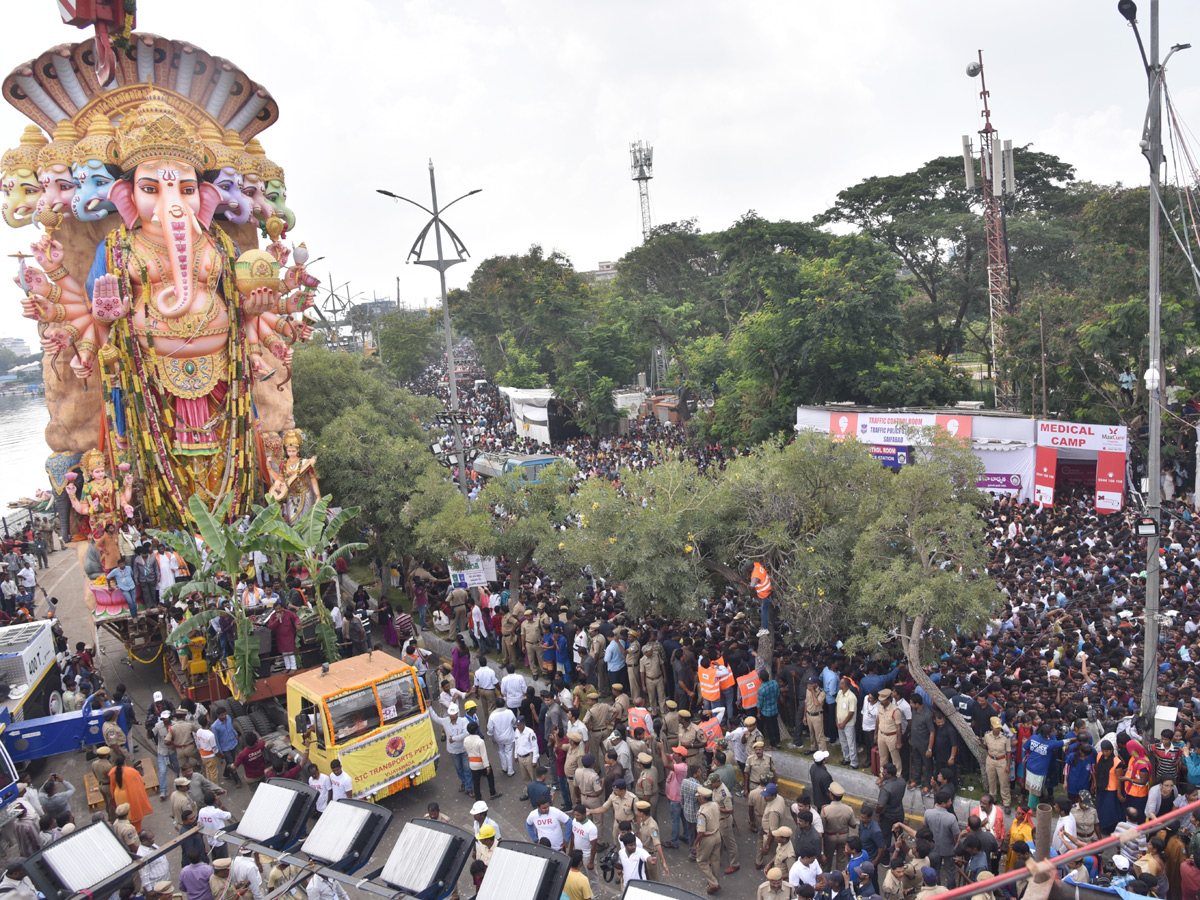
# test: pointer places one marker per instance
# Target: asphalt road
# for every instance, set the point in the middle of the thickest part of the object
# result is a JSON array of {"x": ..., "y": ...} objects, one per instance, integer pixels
[{"x": 64, "y": 579}]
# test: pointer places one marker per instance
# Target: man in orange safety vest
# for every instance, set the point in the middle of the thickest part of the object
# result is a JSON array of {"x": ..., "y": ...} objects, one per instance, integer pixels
[{"x": 760, "y": 583}]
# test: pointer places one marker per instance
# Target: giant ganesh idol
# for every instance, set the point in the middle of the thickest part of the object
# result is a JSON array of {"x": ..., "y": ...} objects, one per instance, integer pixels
[{"x": 168, "y": 334}]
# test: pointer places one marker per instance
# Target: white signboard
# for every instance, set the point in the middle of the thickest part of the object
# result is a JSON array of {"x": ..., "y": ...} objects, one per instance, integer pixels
[
  {"x": 477, "y": 571},
  {"x": 1076, "y": 436}
]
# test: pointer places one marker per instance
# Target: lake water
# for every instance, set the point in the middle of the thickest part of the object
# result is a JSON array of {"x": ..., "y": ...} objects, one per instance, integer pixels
[{"x": 23, "y": 449}]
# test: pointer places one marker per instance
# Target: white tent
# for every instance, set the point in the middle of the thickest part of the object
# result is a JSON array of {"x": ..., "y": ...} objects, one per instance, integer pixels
[{"x": 529, "y": 410}]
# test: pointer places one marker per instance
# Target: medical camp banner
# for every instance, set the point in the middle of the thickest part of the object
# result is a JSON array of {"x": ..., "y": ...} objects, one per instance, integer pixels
[{"x": 390, "y": 756}]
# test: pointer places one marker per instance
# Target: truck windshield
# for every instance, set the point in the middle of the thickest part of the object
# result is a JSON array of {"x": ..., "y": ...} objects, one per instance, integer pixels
[
  {"x": 398, "y": 697},
  {"x": 353, "y": 713}
]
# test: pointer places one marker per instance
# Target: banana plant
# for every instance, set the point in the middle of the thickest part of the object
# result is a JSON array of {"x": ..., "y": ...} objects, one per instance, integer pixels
[{"x": 316, "y": 529}]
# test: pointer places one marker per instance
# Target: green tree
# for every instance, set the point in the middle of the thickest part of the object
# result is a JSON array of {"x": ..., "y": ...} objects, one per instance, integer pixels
[
  {"x": 920, "y": 567},
  {"x": 408, "y": 342},
  {"x": 934, "y": 226}
]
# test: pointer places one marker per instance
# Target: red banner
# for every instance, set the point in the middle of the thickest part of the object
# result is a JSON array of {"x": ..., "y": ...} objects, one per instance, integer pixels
[
  {"x": 955, "y": 426},
  {"x": 1044, "y": 472},
  {"x": 843, "y": 426},
  {"x": 1110, "y": 482}
]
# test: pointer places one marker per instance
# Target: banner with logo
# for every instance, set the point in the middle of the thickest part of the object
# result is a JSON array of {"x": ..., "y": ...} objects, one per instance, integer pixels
[
  {"x": 843, "y": 426},
  {"x": 955, "y": 426},
  {"x": 1044, "y": 472},
  {"x": 476, "y": 571},
  {"x": 1076, "y": 436},
  {"x": 1110, "y": 482},
  {"x": 390, "y": 756}
]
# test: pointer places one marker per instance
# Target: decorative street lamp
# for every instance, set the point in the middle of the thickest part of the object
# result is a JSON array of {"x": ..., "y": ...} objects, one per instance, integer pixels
[{"x": 456, "y": 420}]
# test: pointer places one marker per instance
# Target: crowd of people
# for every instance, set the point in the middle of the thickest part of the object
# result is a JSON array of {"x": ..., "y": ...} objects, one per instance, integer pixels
[{"x": 1047, "y": 694}]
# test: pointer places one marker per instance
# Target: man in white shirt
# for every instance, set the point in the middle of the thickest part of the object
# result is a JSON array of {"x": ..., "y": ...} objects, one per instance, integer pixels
[
  {"x": 548, "y": 822},
  {"x": 805, "y": 870},
  {"x": 244, "y": 870},
  {"x": 512, "y": 686},
  {"x": 158, "y": 869},
  {"x": 206, "y": 746},
  {"x": 584, "y": 835},
  {"x": 325, "y": 889},
  {"x": 213, "y": 817},
  {"x": 450, "y": 695},
  {"x": 525, "y": 748},
  {"x": 168, "y": 570},
  {"x": 484, "y": 691},
  {"x": 501, "y": 729},
  {"x": 341, "y": 785},
  {"x": 320, "y": 783},
  {"x": 633, "y": 861}
]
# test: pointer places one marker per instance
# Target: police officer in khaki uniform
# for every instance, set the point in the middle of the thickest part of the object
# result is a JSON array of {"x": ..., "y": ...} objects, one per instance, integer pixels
[
  {"x": 775, "y": 813},
  {"x": 587, "y": 782},
  {"x": 620, "y": 801},
  {"x": 785, "y": 853},
  {"x": 101, "y": 766},
  {"x": 814, "y": 711},
  {"x": 647, "y": 833},
  {"x": 838, "y": 819},
  {"x": 113, "y": 736},
  {"x": 646, "y": 786},
  {"x": 888, "y": 727},
  {"x": 596, "y": 652},
  {"x": 509, "y": 626},
  {"x": 760, "y": 771},
  {"x": 597, "y": 720},
  {"x": 653, "y": 680},
  {"x": 620, "y": 706},
  {"x": 724, "y": 799},
  {"x": 774, "y": 888},
  {"x": 691, "y": 738},
  {"x": 999, "y": 753},
  {"x": 531, "y": 641},
  {"x": 572, "y": 763},
  {"x": 457, "y": 599},
  {"x": 633, "y": 659},
  {"x": 671, "y": 724},
  {"x": 708, "y": 838}
]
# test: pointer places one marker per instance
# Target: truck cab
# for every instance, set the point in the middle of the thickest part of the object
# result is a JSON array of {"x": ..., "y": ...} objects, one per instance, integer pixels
[{"x": 367, "y": 711}]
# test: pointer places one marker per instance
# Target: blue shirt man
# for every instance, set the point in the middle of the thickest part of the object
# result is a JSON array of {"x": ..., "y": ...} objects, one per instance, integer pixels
[
  {"x": 222, "y": 729},
  {"x": 829, "y": 681},
  {"x": 873, "y": 684},
  {"x": 123, "y": 575},
  {"x": 614, "y": 656}
]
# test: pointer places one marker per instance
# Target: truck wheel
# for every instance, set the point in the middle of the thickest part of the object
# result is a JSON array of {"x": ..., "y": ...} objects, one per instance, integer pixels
[
  {"x": 236, "y": 709},
  {"x": 243, "y": 724},
  {"x": 262, "y": 724}
]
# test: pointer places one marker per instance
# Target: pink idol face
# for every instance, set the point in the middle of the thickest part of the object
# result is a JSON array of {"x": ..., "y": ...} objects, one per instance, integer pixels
[
  {"x": 167, "y": 191},
  {"x": 98, "y": 473},
  {"x": 58, "y": 188}
]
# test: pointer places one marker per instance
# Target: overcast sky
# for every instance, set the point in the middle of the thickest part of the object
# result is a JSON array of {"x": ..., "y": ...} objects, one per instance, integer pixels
[{"x": 771, "y": 106}]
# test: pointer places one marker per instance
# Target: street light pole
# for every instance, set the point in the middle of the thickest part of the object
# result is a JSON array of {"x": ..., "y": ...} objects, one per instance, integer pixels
[
  {"x": 1154, "y": 374},
  {"x": 442, "y": 264},
  {"x": 1152, "y": 147}
]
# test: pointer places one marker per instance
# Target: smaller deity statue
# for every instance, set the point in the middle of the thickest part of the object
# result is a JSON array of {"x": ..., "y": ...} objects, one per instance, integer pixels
[
  {"x": 295, "y": 480},
  {"x": 103, "y": 503}
]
